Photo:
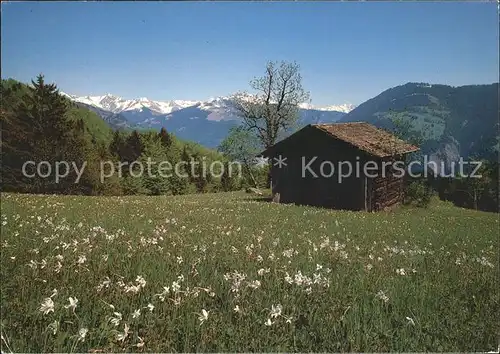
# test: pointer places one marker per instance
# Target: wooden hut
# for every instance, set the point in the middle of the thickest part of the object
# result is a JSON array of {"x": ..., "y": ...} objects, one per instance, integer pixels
[{"x": 306, "y": 167}]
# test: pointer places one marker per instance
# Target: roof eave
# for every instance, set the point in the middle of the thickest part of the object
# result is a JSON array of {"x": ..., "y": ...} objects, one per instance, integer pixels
[{"x": 406, "y": 152}]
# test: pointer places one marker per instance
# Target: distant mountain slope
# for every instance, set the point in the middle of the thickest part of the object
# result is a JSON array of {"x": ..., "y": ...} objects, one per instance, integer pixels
[
  {"x": 205, "y": 122},
  {"x": 115, "y": 120},
  {"x": 457, "y": 121},
  {"x": 210, "y": 126}
]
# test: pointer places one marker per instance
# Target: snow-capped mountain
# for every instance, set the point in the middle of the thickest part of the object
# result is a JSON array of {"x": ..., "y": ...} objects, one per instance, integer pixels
[
  {"x": 117, "y": 104},
  {"x": 344, "y": 108},
  {"x": 206, "y": 122}
]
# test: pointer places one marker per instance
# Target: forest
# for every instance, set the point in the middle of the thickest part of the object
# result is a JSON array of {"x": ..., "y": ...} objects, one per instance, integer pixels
[{"x": 39, "y": 124}]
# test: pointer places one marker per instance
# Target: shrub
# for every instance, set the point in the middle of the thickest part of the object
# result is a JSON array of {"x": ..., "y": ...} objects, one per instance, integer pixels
[{"x": 418, "y": 193}]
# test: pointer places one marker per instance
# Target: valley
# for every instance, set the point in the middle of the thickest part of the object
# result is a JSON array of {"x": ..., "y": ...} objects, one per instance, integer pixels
[
  {"x": 453, "y": 121},
  {"x": 204, "y": 122}
]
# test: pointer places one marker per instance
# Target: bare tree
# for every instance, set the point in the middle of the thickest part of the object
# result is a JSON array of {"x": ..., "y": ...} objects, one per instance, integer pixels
[{"x": 275, "y": 108}]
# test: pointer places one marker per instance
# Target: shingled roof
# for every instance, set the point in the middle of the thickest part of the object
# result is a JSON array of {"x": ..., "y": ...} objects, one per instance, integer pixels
[{"x": 366, "y": 137}]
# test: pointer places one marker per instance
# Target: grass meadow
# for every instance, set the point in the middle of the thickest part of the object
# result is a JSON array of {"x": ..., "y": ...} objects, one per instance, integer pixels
[{"x": 224, "y": 272}]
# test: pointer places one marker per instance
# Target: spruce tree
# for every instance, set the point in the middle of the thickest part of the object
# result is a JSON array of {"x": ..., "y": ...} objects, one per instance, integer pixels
[
  {"x": 178, "y": 181},
  {"x": 117, "y": 145},
  {"x": 154, "y": 153},
  {"x": 44, "y": 111},
  {"x": 134, "y": 147},
  {"x": 15, "y": 140},
  {"x": 166, "y": 139}
]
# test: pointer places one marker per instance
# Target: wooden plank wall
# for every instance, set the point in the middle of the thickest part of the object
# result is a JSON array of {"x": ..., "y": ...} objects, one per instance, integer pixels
[{"x": 386, "y": 191}]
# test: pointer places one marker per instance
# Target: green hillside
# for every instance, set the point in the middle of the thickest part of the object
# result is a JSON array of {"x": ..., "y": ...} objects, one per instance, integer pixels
[
  {"x": 13, "y": 91},
  {"x": 271, "y": 277},
  {"x": 40, "y": 125},
  {"x": 465, "y": 117}
]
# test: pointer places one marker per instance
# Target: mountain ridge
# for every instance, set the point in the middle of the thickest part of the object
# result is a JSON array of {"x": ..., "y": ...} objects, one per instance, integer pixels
[
  {"x": 205, "y": 122},
  {"x": 455, "y": 121},
  {"x": 117, "y": 104}
]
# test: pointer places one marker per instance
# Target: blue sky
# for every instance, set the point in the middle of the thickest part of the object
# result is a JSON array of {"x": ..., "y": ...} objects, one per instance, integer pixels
[{"x": 348, "y": 51}]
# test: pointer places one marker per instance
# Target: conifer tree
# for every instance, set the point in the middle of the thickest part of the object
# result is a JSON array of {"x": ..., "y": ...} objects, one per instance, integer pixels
[
  {"x": 117, "y": 145},
  {"x": 166, "y": 139},
  {"x": 44, "y": 111},
  {"x": 179, "y": 180},
  {"x": 154, "y": 180},
  {"x": 15, "y": 141},
  {"x": 134, "y": 147}
]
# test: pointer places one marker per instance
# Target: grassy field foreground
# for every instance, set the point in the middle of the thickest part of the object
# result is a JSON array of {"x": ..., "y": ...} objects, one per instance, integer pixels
[{"x": 223, "y": 272}]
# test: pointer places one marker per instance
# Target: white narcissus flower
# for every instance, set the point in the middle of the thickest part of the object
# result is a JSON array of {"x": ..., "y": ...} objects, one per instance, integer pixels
[
  {"x": 151, "y": 307},
  {"x": 237, "y": 309},
  {"x": 47, "y": 306},
  {"x": 116, "y": 320},
  {"x": 141, "y": 342},
  {"x": 410, "y": 320},
  {"x": 140, "y": 281},
  {"x": 203, "y": 316},
  {"x": 268, "y": 322},
  {"x": 254, "y": 284},
  {"x": 82, "y": 333},
  {"x": 382, "y": 296},
  {"x": 58, "y": 267},
  {"x": 401, "y": 271},
  {"x": 72, "y": 303},
  {"x": 136, "y": 313},
  {"x": 104, "y": 284},
  {"x": 122, "y": 336},
  {"x": 276, "y": 311},
  {"x": 132, "y": 289},
  {"x": 175, "y": 286}
]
